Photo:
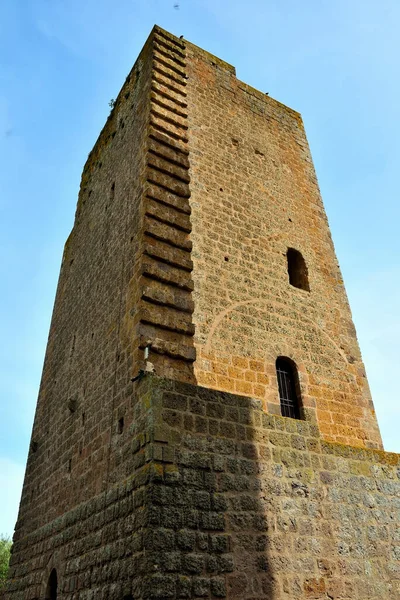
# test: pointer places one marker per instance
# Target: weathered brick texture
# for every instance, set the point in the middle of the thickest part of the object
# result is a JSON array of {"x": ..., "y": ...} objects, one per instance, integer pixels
[
  {"x": 188, "y": 483},
  {"x": 254, "y": 194},
  {"x": 225, "y": 501}
]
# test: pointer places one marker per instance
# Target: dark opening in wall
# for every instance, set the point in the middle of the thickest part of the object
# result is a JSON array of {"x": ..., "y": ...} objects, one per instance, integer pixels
[
  {"x": 289, "y": 387},
  {"x": 72, "y": 405},
  {"x": 297, "y": 269},
  {"x": 120, "y": 426},
  {"x": 51, "y": 590}
]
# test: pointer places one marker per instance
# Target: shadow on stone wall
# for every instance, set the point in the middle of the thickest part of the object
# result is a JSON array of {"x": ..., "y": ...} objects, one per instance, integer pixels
[
  {"x": 250, "y": 506},
  {"x": 209, "y": 533},
  {"x": 219, "y": 500}
]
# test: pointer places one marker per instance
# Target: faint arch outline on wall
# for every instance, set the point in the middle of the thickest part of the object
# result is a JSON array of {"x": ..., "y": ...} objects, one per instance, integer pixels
[{"x": 224, "y": 313}]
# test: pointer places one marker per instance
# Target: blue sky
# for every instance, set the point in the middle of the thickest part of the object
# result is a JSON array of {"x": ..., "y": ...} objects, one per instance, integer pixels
[{"x": 61, "y": 61}]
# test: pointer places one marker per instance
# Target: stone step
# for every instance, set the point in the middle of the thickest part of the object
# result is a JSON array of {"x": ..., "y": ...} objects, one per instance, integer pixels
[
  {"x": 167, "y": 197},
  {"x": 170, "y": 51},
  {"x": 166, "y": 92},
  {"x": 168, "y": 182},
  {"x": 157, "y": 292},
  {"x": 166, "y": 127},
  {"x": 166, "y": 318},
  {"x": 167, "y": 140},
  {"x": 168, "y": 254},
  {"x": 167, "y": 273},
  {"x": 168, "y": 215},
  {"x": 166, "y": 104},
  {"x": 168, "y": 152},
  {"x": 161, "y": 58},
  {"x": 167, "y": 233},
  {"x": 161, "y": 33},
  {"x": 168, "y": 83},
  {"x": 166, "y": 342},
  {"x": 169, "y": 116},
  {"x": 169, "y": 168},
  {"x": 162, "y": 69}
]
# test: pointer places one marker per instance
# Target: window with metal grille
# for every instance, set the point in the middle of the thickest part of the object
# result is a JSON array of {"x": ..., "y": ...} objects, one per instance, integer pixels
[{"x": 288, "y": 384}]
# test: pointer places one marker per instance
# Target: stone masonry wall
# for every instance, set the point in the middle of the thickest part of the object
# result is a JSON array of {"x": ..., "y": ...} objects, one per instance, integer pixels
[
  {"x": 224, "y": 501},
  {"x": 254, "y": 194},
  {"x": 85, "y": 385},
  {"x": 125, "y": 283}
]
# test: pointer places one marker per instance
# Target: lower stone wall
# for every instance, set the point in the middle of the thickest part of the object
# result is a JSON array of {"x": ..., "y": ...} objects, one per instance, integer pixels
[{"x": 226, "y": 502}]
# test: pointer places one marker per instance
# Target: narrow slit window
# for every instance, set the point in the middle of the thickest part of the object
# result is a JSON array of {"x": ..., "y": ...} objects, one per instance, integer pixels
[
  {"x": 52, "y": 585},
  {"x": 288, "y": 388},
  {"x": 297, "y": 270}
]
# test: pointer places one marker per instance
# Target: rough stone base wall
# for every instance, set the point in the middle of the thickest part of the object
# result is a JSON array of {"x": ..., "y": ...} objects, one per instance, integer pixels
[{"x": 225, "y": 501}]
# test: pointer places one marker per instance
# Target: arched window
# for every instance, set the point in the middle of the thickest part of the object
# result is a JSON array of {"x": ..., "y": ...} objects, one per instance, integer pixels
[
  {"x": 288, "y": 385},
  {"x": 297, "y": 269},
  {"x": 51, "y": 590}
]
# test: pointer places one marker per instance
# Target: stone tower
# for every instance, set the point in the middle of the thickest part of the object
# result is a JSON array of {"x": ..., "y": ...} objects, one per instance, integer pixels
[{"x": 199, "y": 300}]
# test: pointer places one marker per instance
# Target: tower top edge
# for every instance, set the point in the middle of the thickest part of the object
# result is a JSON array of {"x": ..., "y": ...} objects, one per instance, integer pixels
[{"x": 219, "y": 62}]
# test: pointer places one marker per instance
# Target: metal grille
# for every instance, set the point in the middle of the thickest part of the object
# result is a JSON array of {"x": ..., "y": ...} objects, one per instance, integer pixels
[{"x": 287, "y": 389}]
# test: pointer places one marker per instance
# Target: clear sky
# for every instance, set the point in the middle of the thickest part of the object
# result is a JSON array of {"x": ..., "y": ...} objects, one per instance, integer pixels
[{"x": 61, "y": 61}]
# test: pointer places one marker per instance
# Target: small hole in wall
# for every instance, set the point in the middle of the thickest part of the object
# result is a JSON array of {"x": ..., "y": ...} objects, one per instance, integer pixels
[
  {"x": 71, "y": 261},
  {"x": 290, "y": 220},
  {"x": 131, "y": 239},
  {"x": 127, "y": 95},
  {"x": 80, "y": 448},
  {"x": 72, "y": 405},
  {"x": 235, "y": 142},
  {"x": 69, "y": 466},
  {"x": 90, "y": 193},
  {"x": 221, "y": 189},
  {"x": 92, "y": 334},
  {"x": 226, "y": 258},
  {"x": 73, "y": 344},
  {"x": 83, "y": 418},
  {"x": 34, "y": 446},
  {"x": 120, "y": 426}
]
